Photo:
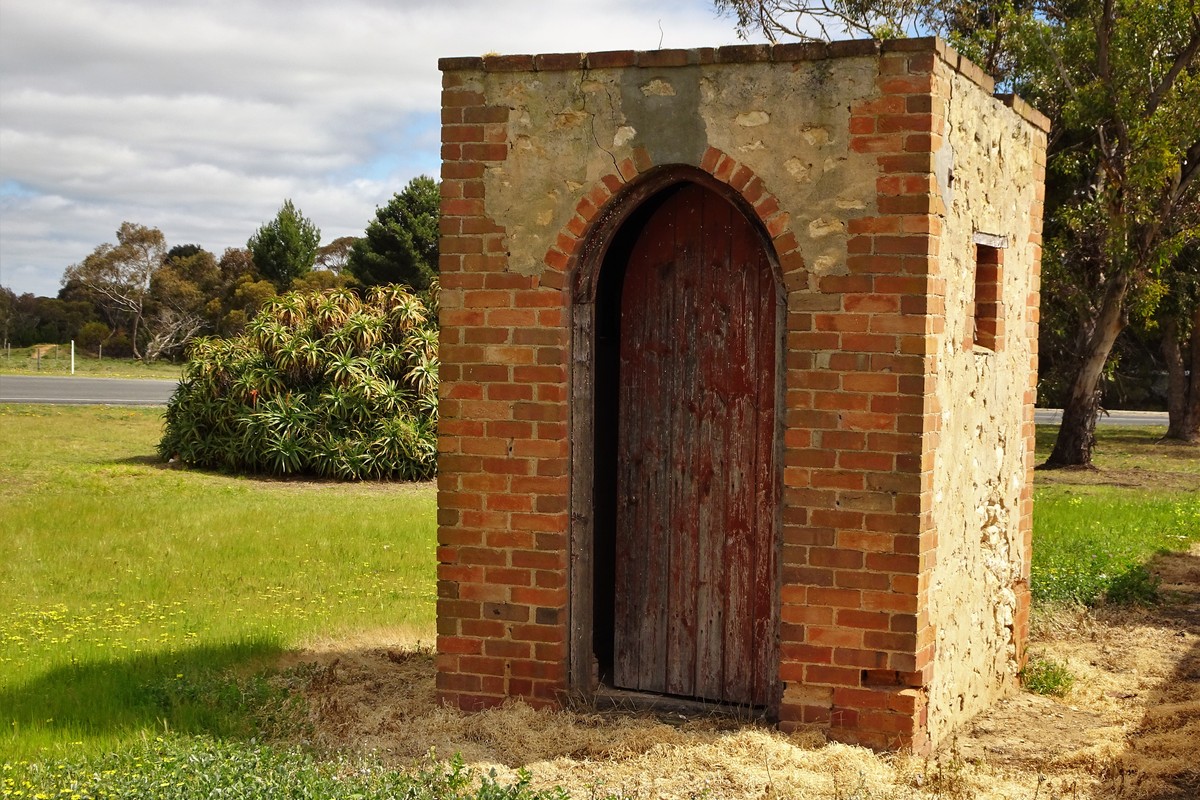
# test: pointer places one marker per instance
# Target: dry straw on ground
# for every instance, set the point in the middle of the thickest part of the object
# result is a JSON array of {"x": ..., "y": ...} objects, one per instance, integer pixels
[{"x": 1130, "y": 728}]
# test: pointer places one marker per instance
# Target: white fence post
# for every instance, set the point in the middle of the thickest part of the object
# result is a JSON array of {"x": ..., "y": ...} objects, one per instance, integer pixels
[{"x": 72, "y": 356}]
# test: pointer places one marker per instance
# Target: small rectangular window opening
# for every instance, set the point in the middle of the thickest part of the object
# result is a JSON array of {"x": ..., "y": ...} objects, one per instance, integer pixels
[{"x": 988, "y": 313}]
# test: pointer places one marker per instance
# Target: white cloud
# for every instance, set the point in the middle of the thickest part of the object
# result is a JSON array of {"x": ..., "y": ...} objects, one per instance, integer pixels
[{"x": 200, "y": 116}]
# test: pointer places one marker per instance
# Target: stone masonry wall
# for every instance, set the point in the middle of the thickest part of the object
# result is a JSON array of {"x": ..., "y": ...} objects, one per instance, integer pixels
[
  {"x": 983, "y": 457},
  {"x": 838, "y": 150}
]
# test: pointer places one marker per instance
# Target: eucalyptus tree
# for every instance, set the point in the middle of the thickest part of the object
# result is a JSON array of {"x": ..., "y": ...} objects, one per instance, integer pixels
[
  {"x": 181, "y": 292},
  {"x": 1179, "y": 322},
  {"x": 335, "y": 256},
  {"x": 119, "y": 275},
  {"x": 1120, "y": 82}
]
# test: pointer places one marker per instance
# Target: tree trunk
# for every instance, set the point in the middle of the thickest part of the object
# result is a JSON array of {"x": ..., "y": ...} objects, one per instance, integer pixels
[
  {"x": 1183, "y": 387},
  {"x": 1077, "y": 433},
  {"x": 137, "y": 318}
]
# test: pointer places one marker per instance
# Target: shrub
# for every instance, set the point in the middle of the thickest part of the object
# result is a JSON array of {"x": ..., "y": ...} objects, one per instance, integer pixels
[
  {"x": 320, "y": 383},
  {"x": 118, "y": 346},
  {"x": 1136, "y": 586},
  {"x": 92, "y": 335}
]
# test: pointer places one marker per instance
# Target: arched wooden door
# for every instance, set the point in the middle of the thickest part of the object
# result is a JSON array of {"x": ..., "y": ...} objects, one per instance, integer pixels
[{"x": 694, "y": 601}]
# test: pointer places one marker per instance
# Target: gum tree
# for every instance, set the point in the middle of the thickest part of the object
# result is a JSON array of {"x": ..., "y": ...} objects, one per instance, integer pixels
[
  {"x": 1179, "y": 322},
  {"x": 119, "y": 275},
  {"x": 1121, "y": 84}
]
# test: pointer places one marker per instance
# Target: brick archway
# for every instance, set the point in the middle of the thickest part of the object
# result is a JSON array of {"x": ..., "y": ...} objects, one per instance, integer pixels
[
  {"x": 605, "y": 205},
  {"x": 579, "y": 256}
]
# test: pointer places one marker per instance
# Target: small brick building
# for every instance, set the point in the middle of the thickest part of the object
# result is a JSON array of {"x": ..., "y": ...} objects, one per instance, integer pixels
[{"x": 738, "y": 365}]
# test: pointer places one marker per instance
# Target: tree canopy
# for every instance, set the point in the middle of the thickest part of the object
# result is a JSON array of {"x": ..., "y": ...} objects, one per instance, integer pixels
[
  {"x": 1120, "y": 83},
  {"x": 334, "y": 257},
  {"x": 401, "y": 243},
  {"x": 119, "y": 275},
  {"x": 286, "y": 247}
]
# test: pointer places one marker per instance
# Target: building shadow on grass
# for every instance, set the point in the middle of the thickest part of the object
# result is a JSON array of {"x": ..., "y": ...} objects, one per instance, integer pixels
[
  {"x": 150, "y": 460},
  {"x": 226, "y": 691}
]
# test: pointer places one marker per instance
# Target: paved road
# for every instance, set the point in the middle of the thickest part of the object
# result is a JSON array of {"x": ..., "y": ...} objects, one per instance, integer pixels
[
  {"x": 85, "y": 391},
  {"x": 1053, "y": 416},
  {"x": 141, "y": 392}
]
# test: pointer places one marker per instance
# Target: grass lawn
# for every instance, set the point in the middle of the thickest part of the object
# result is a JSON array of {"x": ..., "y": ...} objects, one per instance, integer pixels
[
  {"x": 143, "y": 609},
  {"x": 56, "y": 360},
  {"x": 135, "y": 597},
  {"x": 1094, "y": 531}
]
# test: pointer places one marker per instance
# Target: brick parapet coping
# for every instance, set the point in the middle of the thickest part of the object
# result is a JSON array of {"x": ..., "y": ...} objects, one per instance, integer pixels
[{"x": 745, "y": 54}]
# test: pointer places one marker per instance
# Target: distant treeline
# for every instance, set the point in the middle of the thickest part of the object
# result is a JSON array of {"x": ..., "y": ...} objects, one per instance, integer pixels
[{"x": 142, "y": 298}]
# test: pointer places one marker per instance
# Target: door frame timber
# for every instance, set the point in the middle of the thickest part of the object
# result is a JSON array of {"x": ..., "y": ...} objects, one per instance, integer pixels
[{"x": 581, "y": 537}]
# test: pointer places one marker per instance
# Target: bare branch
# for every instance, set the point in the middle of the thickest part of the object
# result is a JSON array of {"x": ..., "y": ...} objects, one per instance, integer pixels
[
  {"x": 827, "y": 17},
  {"x": 169, "y": 329}
]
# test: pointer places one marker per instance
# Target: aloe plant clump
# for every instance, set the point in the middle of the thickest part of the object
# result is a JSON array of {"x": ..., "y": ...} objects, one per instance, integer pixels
[{"x": 321, "y": 383}]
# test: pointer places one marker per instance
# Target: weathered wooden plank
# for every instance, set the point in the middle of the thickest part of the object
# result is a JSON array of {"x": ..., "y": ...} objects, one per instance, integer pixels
[
  {"x": 681, "y": 645},
  {"x": 712, "y": 471},
  {"x": 659, "y": 310},
  {"x": 581, "y": 547},
  {"x": 642, "y": 522},
  {"x": 766, "y": 598},
  {"x": 739, "y": 515},
  {"x": 629, "y": 568}
]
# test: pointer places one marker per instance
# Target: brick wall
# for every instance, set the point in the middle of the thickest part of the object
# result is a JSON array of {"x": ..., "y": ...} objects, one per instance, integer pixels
[{"x": 502, "y": 439}]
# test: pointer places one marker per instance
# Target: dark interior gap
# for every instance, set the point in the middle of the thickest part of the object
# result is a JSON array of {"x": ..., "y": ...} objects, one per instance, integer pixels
[{"x": 607, "y": 421}]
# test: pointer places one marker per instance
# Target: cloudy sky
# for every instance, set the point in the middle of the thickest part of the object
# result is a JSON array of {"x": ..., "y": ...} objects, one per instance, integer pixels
[{"x": 200, "y": 116}]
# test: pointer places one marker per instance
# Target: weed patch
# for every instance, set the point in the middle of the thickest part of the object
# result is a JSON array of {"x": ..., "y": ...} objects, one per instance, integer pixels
[{"x": 1047, "y": 676}]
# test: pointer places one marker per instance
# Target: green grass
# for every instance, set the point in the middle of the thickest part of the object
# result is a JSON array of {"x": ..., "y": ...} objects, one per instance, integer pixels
[
  {"x": 200, "y": 768},
  {"x": 1094, "y": 532},
  {"x": 1094, "y": 545},
  {"x": 143, "y": 609},
  {"x": 135, "y": 597},
  {"x": 56, "y": 360},
  {"x": 1127, "y": 458}
]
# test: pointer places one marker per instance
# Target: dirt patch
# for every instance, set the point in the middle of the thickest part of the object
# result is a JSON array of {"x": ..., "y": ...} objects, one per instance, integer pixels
[
  {"x": 1130, "y": 727},
  {"x": 1127, "y": 458},
  {"x": 1151, "y": 480}
]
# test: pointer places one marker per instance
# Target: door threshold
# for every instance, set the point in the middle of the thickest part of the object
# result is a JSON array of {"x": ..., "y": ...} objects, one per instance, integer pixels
[{"x": 672, "y": 708}]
